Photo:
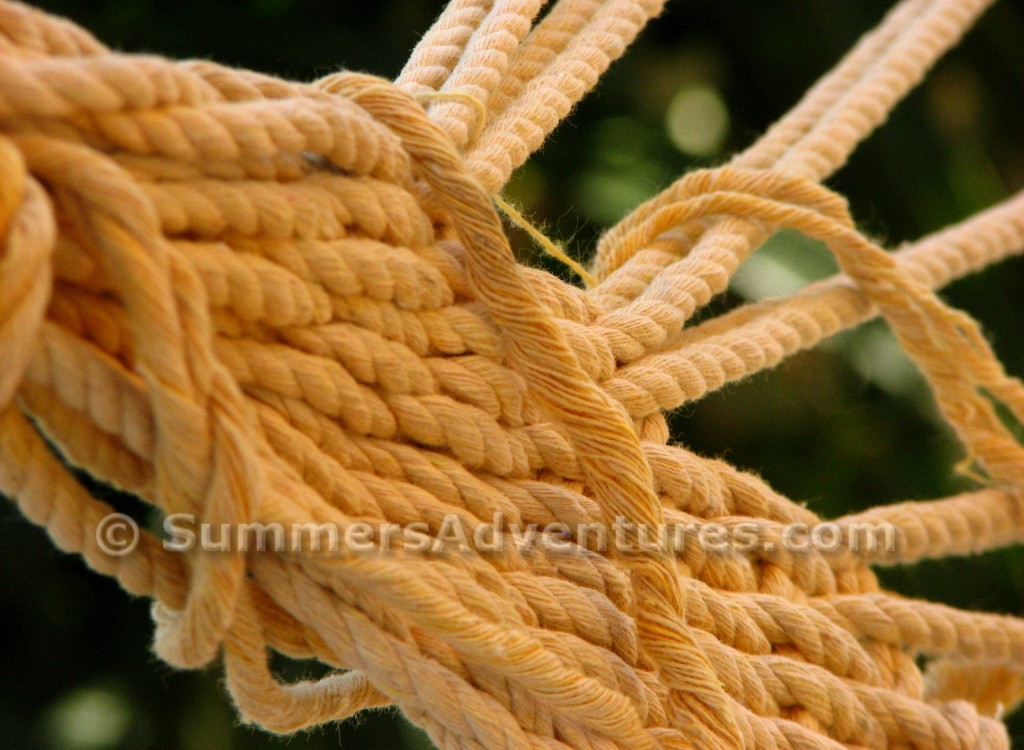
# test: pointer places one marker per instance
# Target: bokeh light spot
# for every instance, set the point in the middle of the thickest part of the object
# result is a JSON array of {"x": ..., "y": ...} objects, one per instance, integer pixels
[
  {"x": 697, "y": 120},
  {"x": 88, "y": 719}
]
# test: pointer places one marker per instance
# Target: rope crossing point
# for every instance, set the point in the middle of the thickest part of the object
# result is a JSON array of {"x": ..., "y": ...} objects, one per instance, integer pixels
[{"x": 256, "y": 301}]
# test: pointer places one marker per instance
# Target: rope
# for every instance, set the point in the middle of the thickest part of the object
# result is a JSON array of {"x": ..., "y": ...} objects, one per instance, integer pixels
[
  {"x": 263, "y": 303},
  {"x": 845, "y": 108},
  {"x": 546, "y": 245}
]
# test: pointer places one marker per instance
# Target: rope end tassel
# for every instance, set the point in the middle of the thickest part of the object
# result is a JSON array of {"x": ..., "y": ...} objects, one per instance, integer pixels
[{"x": 252, "y": 302}]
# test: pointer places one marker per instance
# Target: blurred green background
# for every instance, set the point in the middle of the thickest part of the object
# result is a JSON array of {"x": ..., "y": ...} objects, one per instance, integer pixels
[{"x": 844, "y": 427}]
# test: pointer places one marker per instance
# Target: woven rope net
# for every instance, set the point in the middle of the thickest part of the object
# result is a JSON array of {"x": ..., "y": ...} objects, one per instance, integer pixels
[{"x": 256, "y": 301}]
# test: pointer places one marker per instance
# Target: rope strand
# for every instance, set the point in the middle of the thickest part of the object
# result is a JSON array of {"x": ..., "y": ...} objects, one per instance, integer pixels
[{"x": 262, "y": 302}]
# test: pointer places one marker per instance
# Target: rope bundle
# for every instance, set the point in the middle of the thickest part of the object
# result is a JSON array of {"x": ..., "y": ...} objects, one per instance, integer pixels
[{"x": 257, "y": 301}]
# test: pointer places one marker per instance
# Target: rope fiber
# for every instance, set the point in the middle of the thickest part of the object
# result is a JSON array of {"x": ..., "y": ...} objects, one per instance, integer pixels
[{"x": 259, "y": 302}]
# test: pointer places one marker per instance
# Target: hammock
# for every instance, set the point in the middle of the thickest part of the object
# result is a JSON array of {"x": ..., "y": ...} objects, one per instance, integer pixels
[{"x": 257, "y": 302}]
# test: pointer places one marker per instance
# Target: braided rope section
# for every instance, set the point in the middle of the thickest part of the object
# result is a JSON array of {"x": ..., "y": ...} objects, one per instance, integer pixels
[{"x": 261, "y": 302}]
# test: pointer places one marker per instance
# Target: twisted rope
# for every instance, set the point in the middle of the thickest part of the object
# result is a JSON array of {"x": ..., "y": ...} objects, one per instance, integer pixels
[{"x": 263, "y": 302}]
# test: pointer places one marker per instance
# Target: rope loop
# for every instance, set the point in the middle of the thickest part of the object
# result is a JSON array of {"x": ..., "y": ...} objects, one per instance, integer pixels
[
  {"x": 204, "y": 438},
  {"x": 947, "y": 345}
]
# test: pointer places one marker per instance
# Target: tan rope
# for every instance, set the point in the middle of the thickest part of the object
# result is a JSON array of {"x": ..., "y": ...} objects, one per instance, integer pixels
[
  {"x": 759, "y": 335},
  {"x": 543, "y": 88},
  {"x": 257, "y": 301},
  {"x": 688, "y": 283},
  {"x": 481, "y": 63}
]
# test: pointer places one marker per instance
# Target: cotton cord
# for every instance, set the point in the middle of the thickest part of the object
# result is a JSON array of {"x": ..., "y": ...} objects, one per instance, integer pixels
[{"x": 257, "y": 302}]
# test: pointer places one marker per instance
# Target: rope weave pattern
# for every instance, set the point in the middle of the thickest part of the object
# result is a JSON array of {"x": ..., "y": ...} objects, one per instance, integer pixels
[{"x": 254, "y": 300}]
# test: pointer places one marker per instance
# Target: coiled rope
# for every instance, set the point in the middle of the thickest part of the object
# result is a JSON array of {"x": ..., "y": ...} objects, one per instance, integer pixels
[{"x": 256, "y": 301}]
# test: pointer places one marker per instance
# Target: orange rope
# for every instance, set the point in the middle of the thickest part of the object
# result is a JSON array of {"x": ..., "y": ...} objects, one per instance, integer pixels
[{"x": 272, "y": 305}]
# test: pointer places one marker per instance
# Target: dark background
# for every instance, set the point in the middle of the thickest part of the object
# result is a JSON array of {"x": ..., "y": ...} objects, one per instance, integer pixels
[{"x": 847, "y": 426}]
